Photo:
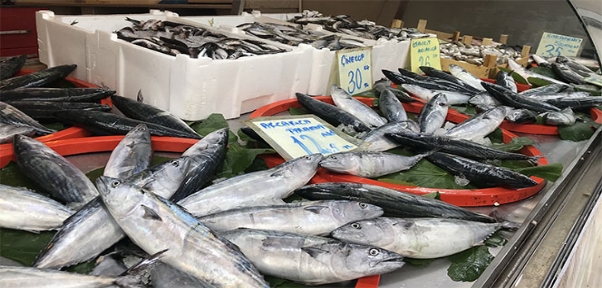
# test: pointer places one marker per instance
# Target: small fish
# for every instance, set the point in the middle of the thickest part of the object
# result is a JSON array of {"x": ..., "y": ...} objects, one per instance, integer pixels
[
  {"x": 433, "y": 114},
  {"x": 369, "y": 164}
]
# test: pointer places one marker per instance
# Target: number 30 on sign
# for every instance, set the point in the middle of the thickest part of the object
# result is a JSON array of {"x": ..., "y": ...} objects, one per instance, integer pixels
[
  {"x": 355, "y": 69},
  {"x": 424, "y": 52}
]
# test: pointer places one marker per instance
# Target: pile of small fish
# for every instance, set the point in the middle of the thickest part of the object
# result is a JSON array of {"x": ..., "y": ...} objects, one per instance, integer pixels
[
  {"x": 363, "y": 29},
  {"x": 566, "y": 70},
  {"x": 175, "y": 38},
  {"x": 475, "y": 54},
  {"x": 456, "y": 150},
  {"x": 291, "y": 35}
]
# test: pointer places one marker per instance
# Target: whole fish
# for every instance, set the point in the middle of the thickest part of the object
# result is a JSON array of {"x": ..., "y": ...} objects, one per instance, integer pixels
[
  {"x": 566, "y": 117},
  {"x": 481, "y": 174},
  {"x": 376, "y": 140},
  {"x": 458, "y": 147},
  {"x": 13, "y": 116},
  {"x": 8, "y": 131},
  {"x": 365, "y": 113},
  {"x": 442, "y": 84},
  {"x": 311, "y": 260},
  {"x": 420, "y": 238},
  {"x": 543, "y": 90},
  {"x": 104, "y": 123},
  {"x": 433, "y": 114},
  {"x": 56, "y": 94},
  {"x": 24, "y": 209},
  {"x": 11, "y": 66},
  {"x": 13, "y": 276},
  {"x": 132, "y": 155},
  {"x": 53, "y": 172},
  {"x": 334, "y": 115},
  {"x": 453, "y": 98},
  {"x": 478, "y": 126},
  {"x": 466, "y": 77},
  {"x": 393, "y": 202},
  {"x": 520, "y": 70},
  {"x": 391, "y": 107},
  {"x": 385, "y": 84},
  {"x": 148, "y": 113},
  {"x": 369, "y": 164},
  {"x": 574, "y": 65},
  {"x": 566, "y": 74},
  {"x": 484, "y": 99},
  {"x": 433, "y": 72},
  {"x": 541, "y": 61},
  {"x": 38, "y": 78},
  {"x": 44, "y": 111},
  {"x": 559, "y": 96},
  {"x": 438, "y": 84},
  {"x": 520, "y": 116},
  {"x": 306, "y": 218},
  {"x": 155, "y": 224},
  {"x": 506, "y": 80},
  {"x": 92, "y": 230},
  {"x": 576, "y": 103},
  {"x": 261, "y": 187},
  {"x": 512, "y": 99}
]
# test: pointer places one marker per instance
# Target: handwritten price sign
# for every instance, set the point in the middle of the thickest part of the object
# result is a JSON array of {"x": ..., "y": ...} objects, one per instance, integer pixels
[
  {"x": 355, "y": 69},
  {"x": 424, "y": 52},
  {"x": 552, "y": 45},
  {"x": 594, "y": 79},
  {"x": 295, "y": 136}
]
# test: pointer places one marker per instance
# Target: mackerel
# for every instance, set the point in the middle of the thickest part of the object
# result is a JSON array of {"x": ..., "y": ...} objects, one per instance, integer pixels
[
  {"x": 394, "y": 203},
  {"x": 430, "y": 71},
  {"x": 375, "y": 140},
  {"x": 13, "y": 116},
  {"x": 559, "y": 96},
  {"x": 484, "y": 99},
  {"x": 433, "y": 114},
  {"x": 132, "y": 155},
  {"x": 363, "y": 112},
  {"x": 334, "y": 115},
  {"x": 155, "y": 224},
  {"x": 369, "y": 164},
  {"x": 38, "y": 78},
  {"x": 444, "y": 84},
  {"x": 391, "y": 107},
  {"x": 165, "y": 276}
]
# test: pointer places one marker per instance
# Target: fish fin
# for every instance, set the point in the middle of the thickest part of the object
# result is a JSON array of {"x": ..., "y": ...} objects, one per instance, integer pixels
[
  {"x": 150, "y": 214},
  {"x": 144, "y": 264},
  {"x": 38, "y": 232},
  {"x": 315, "y": 208},
  {"x": 506, "y": 224},
  {"x": 314, "y": 252}
]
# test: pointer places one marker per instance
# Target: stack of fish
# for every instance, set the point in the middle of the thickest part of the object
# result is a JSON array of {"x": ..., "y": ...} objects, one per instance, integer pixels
[
  {"x": 475, "y": 54},
  {"x": 566, "y": 70},
  {"x": 363, "y": 29},
  {"x": 175, "y": 38}
]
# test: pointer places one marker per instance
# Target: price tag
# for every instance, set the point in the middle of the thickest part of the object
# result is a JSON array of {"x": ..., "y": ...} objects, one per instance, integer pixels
[
  {"x": 425, "y": 52},
  {"x": 355, "y": 69},
  {"x": 295, "y": 136},
  {"x": 594, "y": 79},
  {"x": 552, "y": 45}
]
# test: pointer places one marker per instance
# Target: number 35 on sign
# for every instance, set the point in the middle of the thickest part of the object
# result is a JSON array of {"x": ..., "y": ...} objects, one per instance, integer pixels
[
  {"x": 424, "y": 52},
  {"x": 355, "y": 69}
]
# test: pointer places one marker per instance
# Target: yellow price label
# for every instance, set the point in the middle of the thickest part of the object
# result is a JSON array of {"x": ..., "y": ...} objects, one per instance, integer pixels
[
  {"x": 424, "y": 52},
  {"x": 552, "y": 45},
  {"x": 355, "y": 69}
]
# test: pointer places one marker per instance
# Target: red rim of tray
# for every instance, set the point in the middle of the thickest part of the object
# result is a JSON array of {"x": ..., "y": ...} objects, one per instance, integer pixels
[
  {"x": 71, "y": 132},
  {"x": 459, "y": 197},
  {"x": 95, "y": 144}
]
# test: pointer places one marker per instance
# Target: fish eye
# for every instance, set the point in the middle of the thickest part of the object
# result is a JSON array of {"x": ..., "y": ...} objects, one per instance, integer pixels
[
  {"x": 175, "y": 163},
  {"x": 373, "y": 252},
  {"x": 363, "y": 205},
  {"x": 356, "y": 226},
  {"x": 115, "y": 183}
]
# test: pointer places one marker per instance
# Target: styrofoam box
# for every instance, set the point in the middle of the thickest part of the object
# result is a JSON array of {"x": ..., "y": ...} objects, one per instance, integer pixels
[
  {"x": 189, "y": 88},
  {"x": 386, "y": 54}
]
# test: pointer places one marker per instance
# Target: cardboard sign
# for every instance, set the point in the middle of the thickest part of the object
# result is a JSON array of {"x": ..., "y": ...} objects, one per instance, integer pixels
[
  {"x": 552, "y": 45},
  {"x": 424, "y": 52},
  {"x": 296, "y": 136},
  {"x": 354, "y": 67},
  {"x": 594, "y": 79}
]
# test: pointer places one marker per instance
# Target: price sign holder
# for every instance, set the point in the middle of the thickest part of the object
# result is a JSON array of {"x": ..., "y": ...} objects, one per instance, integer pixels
[
  {"x": 296, "y": 136},
  {"x": 424, "y": 52},
  {"x": 594, "y": 79},
  {"x": 552, "y": 45},
  {"x": 354, "y": 69}
]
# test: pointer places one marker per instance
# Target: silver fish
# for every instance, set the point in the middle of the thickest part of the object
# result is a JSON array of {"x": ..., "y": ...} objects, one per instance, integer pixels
[
  {"x": 369, "y": 164},
  {"x": 12, "y": 276},
  {"x": 155, "y": 224},
  {"x": 433, "y": 114},
  {"x": 376, "y": 140},
  {"x": 506, "y": 80},
  {"x": 165, "y": 276},
  {"x": 453, "y": 98},
  {"x": 132, "y": 155},
  {"x": 391, "y": 107},
  {"x": 13, "y": 116},
  {"x": 517, "y": 68},
  {"x": 548, "y": 89},
  {"x": 421, "y": 238},
  {"x": 23, "y": 209},
  {"x": 306, "y": 218},
  {"x": 466, "y": 76},
  {"x": 311, "y": 260},
  {"x": 565, "y": 117},
  {"x": 363, "y": 112},
  {"x": 479, "y": 125},
  {"x": 251, "y": 189},
  {"x": 520, "y": 116},
  {"x": 8, "y": 131},
  {"x": 484, "y": 99}
]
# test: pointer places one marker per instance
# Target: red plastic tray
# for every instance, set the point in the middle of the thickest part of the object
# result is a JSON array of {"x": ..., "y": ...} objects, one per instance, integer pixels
[{"x": 459, "y": 197}]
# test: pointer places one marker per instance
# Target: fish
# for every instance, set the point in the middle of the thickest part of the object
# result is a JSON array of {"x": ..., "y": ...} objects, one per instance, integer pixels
[
  {"x": 385, "y": 84},
  {"x": 566, "y": 74},
  {"x": 478, "y": 126},
  {"x": 132, "y": 154},
  {"x": 521, "y": 116},
  {"x": 566, "y": 117},
  {"x": 433, "y": 72},
  {"x": 512, "y": 99},
  {"x": 56, "y": 94},
  {"x": 504, "y": 79},
  {"x": 453, "y": 98},
  {"x": 480, "y": 174},
  {"x": 363, "y": 112},
  {"x": 311, "y": 260},
  {"x": 394, "y": 203},
  {"x": 53, "y": 172},
  {"x": 155, "y": 224},
  {"x": 27, "y": 210},
  {"x": 520, "y": 70},
  {"x": 543, "y": 90},
  {"x": 305, "y": 218},
  {"x": 575, "y": 66},
  {"x": 14, "y": 276},
  {"x": 92, "y": 230},
  {"x": 11, "y": 66},
  {"x": 165, "y": 276},
  {"x": 369, "y": 164},
  {"x": 332, "y": 114},
  {"x": 239, "y": 191},
  {"x": 559, "y": 96},
  {"x": 13, "y": 116},
  {"x": 44, "y": 111},
  {"x": 375, "y": 140},
  {"x": 419, "y": 238},
  {"x": 433, "y": 114},
  {"x": 541, "y": 61},
  {"x": 148, "y": 113},
  {"x": 432, "y": 83},
  {"x": 576, "y": 102},
  {"x": 391, "y": 107},
  {"x": 38, "y": 78},
  {"x": 104, "y": 123},
  {"x": 8, "y": 131},
  {"x": 466, "y": 77},
  {"x": 484, "y": 99}
]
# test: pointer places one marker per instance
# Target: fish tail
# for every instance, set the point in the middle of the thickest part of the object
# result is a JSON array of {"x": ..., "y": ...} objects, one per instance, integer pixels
[
  {"x": 534, "y": 159},
  {"x": 505, "y": 224}
]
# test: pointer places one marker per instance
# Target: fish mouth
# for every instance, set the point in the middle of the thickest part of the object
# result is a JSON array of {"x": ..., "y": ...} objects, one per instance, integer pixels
[{"x": 390, "y": 260}]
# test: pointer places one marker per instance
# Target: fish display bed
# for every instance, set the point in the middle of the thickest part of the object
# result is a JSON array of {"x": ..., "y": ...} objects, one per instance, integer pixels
[
  {"x": 68, "y": 133},
  {"x": 459, "y": 197}
]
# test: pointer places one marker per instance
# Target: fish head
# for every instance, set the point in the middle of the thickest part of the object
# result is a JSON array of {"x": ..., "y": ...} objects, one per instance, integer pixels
[
  {"x": 370, "y": 260},
  {"x": 376, "y": 232},
  {"x": 348, "y": 211},
  {"x": 120, "y": 197},
  {"x": 440, "y": 100},
  {"x": 22, "y": 143},
  {"x": 343, "y": 162},
  {"x": 213, "y": 139},
  {"x": 302, "y": 167}
]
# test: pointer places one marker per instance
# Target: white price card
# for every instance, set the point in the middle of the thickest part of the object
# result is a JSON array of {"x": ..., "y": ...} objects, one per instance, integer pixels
[
  {"x": 594, "y": 79},
  {"x": 553, "y": 45},
  {"x": 296, "y": 136},
  {"x": 355, "y": 69}
]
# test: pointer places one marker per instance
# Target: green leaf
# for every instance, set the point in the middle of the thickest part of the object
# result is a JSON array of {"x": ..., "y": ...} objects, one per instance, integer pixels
[
  {"x": 297, "y": 111},
  {"x": 276, "y": 282},
  {"x": 549, "y": 172},
  {"x": 468, "y": 265},
  {"x": 514, "y": 145},
  {"x": 466, "y": 110},
  {"x": 22, "y": 246},
  {"x": 538, "y": 81},
  {"x": 496, "y": 136},
  {"x": 83, "y": 268},
  {"x": 11, "y": 175},
  {"x": 417, "y": 262},
  {"x": 433, "y": 195},
  {"x": 578, "y": 131},
  {"x": 543, "y": 71},
  {"x": 210, "y": 124},
  {"x": 496, "y": 240},
  {"x": 515, "y": 76},
  {"x": 238, "y": 158},
  {"x": 425, "y": 174}
]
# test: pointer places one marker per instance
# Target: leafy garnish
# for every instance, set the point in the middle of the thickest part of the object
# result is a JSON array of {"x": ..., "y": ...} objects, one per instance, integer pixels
[
  {"x": 496, "y": 240},
  {"x": 433, "y": 195},
  {"x": 514, "y": 145},
  {"x": 468, "y": 265},
  {"x": 549, "y": 172}
]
